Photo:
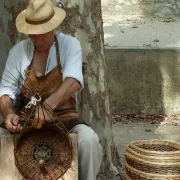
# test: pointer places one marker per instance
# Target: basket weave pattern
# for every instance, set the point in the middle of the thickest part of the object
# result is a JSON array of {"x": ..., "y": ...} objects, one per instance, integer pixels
[
  {"x": 152, "y": 159},
  {"x": 47, "y": 144}
]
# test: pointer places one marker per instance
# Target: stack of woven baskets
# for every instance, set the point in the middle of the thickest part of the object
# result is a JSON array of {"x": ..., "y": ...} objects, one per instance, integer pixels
[{"x": 152, "y": 159}]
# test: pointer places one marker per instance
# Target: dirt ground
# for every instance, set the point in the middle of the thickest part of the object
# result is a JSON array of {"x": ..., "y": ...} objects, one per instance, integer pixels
[
  {"x": 129, "y": 128},
  {"x": 139, "y": 32},
  {"x": 134, "y": 127}
]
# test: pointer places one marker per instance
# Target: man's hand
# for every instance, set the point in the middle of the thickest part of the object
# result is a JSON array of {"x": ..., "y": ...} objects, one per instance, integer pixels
[
  {"x": 11, "y": 123},
  {"x": 41, "y": 117}
]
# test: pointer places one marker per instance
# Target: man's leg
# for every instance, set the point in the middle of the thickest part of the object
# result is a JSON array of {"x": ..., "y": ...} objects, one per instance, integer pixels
[
  {"x": 4, "y": 131},
  {"x": 89, "y": 152}
]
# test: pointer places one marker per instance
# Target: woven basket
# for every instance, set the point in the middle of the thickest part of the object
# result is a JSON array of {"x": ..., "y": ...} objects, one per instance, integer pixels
[
  {"x": 134, "y": 174},
  {"x": 153, "y": 158},
  {"x": 156, "y": 148},
  {"x": 150, "y": 158},
  {"x": 43, "y": 154}
]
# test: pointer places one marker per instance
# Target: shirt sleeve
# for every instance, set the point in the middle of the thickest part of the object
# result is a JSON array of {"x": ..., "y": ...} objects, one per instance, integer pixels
[
  {"x": 10, "y": 81},
  {"x": 73, "y": 62}
]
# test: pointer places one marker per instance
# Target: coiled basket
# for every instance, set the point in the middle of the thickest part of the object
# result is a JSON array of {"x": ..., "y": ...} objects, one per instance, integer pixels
[
  {"x": 152, "y": 159},
  {"x": 44, "y": 154}
]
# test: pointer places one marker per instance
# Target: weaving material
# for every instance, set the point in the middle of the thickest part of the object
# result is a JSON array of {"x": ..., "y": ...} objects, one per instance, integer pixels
[{"x": 152, "y": 159}]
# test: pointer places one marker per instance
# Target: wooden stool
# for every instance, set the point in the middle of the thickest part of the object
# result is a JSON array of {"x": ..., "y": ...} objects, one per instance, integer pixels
[{"x": 8, "y": 170}]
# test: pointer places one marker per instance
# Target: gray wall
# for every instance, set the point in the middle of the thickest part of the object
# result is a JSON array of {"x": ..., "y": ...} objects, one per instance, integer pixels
[{"x": 146, "y": 81}]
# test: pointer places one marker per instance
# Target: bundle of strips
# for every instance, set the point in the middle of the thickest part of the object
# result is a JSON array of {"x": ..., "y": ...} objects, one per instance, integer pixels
[
  {"x": 44, "y": 153},
  {"x": 152, "y": 159}
]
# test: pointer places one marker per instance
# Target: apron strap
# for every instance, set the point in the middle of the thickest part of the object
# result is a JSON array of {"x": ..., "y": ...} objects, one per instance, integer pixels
[{"x": 57, "y": 51}]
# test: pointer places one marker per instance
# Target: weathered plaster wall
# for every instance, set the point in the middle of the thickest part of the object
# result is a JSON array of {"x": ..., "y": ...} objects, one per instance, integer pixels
[{"x": 144, "y": 80}]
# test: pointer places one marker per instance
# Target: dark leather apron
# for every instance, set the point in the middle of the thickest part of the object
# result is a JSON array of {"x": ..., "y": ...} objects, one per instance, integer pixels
[{"x": 44, "y": 86}]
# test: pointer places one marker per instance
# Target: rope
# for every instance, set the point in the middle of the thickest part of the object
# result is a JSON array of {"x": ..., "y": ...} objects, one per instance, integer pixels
[{"x": 33, "y": 102}]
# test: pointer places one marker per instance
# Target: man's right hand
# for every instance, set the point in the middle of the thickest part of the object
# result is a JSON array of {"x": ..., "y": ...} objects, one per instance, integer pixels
[{"x": 11, "y": 123}]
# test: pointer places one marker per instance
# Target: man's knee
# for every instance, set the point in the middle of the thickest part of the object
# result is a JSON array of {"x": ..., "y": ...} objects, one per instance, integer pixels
[
  {"x": 89, "y": 139},
  {"x": 87, "y": 135},
  {"x": 89, "y": 145},
  {"x": 3, "y": 131}
]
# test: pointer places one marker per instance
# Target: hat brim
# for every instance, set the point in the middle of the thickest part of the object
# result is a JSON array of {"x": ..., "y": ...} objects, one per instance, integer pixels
[{"x": 26, "y": 28}]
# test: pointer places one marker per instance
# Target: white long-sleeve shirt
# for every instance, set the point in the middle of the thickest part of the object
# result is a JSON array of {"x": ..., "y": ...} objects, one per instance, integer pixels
[{"x": 21, "y": 55}]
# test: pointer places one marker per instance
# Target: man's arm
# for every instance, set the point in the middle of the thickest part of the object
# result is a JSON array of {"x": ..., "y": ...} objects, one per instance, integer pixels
[
  {"x": 68, "y": 88},
  {"x": 6, "y": 105},
  {"x": 8, "y": 90}
]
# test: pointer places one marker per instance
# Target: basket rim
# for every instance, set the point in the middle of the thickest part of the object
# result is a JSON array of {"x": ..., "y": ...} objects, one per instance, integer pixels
[
  {"x": 150, "y": 163},
  {"x": 149, "y": 175},
  {"x": 128, "y": 149},
  {"x": 133, "y": 144}
]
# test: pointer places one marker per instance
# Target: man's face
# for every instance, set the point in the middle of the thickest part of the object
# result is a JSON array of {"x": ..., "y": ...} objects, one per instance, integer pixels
[{"x": 42, "y": 42}]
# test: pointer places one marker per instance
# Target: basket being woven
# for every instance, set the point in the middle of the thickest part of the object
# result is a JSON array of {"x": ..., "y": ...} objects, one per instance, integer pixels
[
  {"x": 153, "y": 158},
  {"x": 43, "y": 154}
]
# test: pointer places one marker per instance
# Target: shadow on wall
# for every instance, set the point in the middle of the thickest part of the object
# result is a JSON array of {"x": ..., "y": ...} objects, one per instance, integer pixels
[{"x": 143, "y": 81}]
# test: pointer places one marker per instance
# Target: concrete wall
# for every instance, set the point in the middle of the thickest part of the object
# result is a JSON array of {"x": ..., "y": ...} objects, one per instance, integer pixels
[{"x": 146, "y": 81}]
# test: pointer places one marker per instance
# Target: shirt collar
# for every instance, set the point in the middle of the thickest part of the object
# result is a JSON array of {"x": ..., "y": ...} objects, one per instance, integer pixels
[{"x": 32, "y": 47}]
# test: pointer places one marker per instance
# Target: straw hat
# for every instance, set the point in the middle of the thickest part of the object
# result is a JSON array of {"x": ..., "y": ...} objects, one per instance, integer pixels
[{"x": 40, "y": 17}]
